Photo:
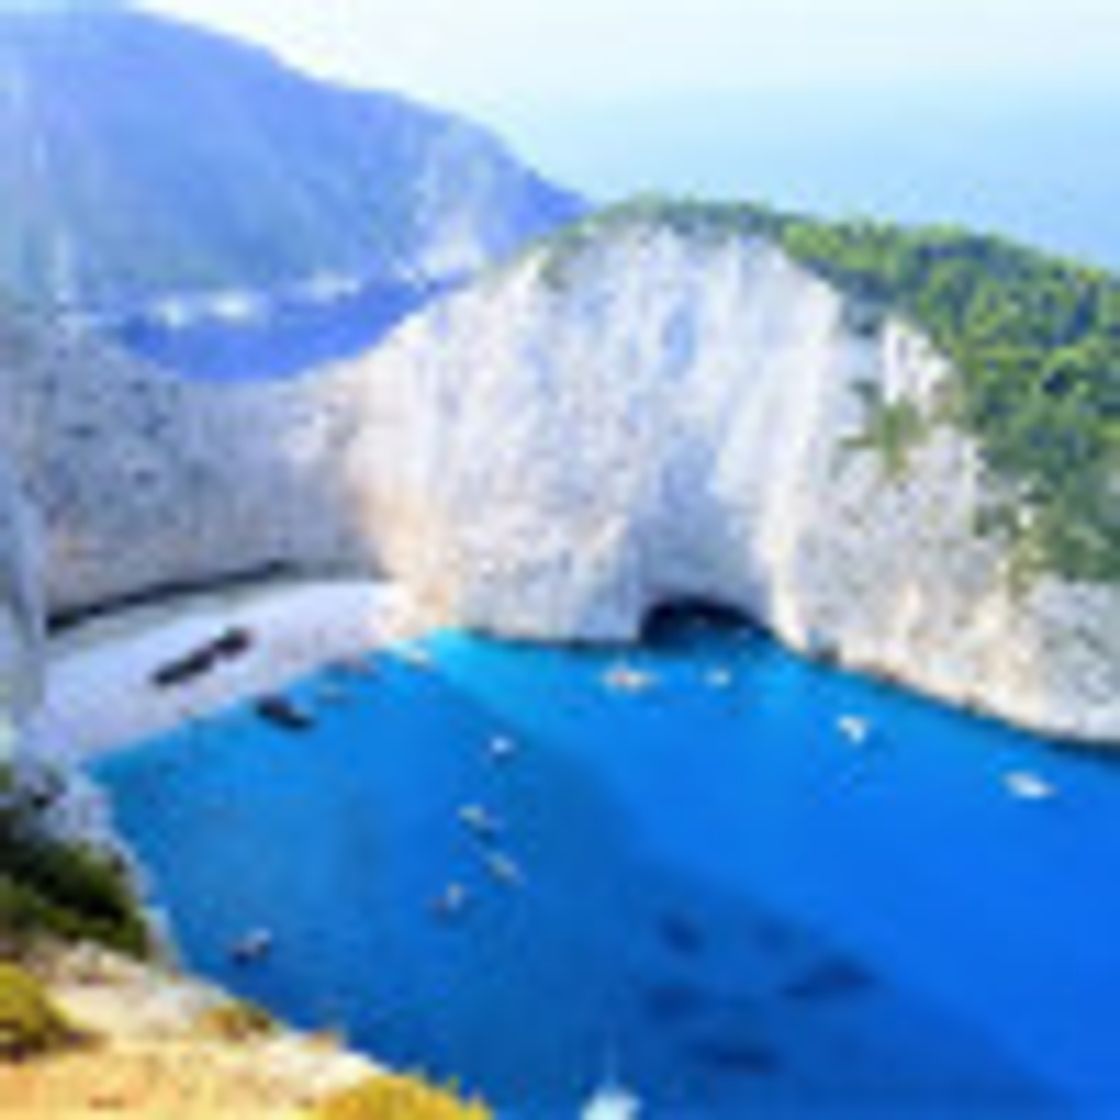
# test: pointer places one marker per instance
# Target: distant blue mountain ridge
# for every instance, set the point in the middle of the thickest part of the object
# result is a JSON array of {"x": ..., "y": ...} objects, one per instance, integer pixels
[{"x": 155, "y": 178}]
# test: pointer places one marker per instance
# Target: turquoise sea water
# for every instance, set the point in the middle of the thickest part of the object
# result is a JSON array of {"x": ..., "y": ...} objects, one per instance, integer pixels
[{"x": 703, "y": 889}]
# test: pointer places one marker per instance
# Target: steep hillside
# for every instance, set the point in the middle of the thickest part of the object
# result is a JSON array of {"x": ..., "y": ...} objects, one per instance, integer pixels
[
  {"x": 20, "y": 606},
  {"x": 144, "y": 160}
]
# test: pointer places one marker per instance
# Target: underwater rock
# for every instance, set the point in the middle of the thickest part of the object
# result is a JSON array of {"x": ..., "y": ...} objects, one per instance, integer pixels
[
  {"x": 673, "y": 1001},
  {"x": 681, "y": 934},
  {"x": 747, "y": 1058},
  {"x": 831, "y": 978}
]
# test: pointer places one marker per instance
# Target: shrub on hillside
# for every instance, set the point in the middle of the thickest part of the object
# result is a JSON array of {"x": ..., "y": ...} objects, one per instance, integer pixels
[
  {"x": 30, "y": 1024},
  {"x": 398, "y": 1098},
  {"x": 62, "y": 890},
  {"x": 236, "y": 1020}
]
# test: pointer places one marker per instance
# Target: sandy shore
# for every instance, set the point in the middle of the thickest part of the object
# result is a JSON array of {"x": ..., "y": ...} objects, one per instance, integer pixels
[{"x": 100, "y": 693}]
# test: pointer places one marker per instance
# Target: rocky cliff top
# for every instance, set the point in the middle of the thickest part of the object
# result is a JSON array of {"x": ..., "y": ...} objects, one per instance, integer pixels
[{"x": 1034, "y": 342}]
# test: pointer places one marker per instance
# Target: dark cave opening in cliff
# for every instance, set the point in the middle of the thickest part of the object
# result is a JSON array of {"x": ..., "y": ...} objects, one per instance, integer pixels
[{"x": 673, "y": 619}]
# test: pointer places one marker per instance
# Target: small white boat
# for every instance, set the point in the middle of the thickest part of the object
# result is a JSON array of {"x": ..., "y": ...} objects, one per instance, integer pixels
[
  {"x": 855, "y": 729},
  {"x": 719, "y": 678},
  {"x": 625, "y": 678},
  {"x": 415, "y": 655},
  {"x": 254, "y": 946},
  {"x": 611, "y": 1102},
  {"x": 235, "y": 305},
  {"x": 1027, "y": 786},
  {"x": 480, "y": 821},
  {"x": 451, "y": 902},
  {"x": 501, "y": 748},
  {"x": 504, "y": 869}
]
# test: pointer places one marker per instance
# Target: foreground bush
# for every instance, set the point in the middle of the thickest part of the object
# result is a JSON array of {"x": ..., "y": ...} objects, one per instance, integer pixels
[
  {"x": 30, "y": 1024},
  {"x": 398, "y": 1098},
  {"x": 65, "y": 891}
]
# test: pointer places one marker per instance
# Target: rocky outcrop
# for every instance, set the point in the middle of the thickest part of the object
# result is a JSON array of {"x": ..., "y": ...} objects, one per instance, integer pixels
[
  {"x": 21, "y": 612},
  {"x": 564, "y": 447},
  {"x": 147, "y": 483}
]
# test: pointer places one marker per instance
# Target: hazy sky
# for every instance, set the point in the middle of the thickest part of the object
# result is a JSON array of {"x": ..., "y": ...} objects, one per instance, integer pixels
[
  {"x": 471, "y": 53},
  {"x": 1001, "y": 113}
]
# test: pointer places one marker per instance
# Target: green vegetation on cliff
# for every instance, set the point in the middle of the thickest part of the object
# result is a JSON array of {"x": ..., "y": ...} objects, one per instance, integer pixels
[
  {"x": 30, "y": 1024},
  {"x": 399, "y": 1098},
  {"x": 58, "y": 890},
  {"x": 1035, "y": 341}
]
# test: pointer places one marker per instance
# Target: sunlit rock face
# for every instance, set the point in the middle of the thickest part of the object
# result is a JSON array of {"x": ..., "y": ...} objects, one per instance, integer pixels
[
  {"x": 653, "y": 418},
  {"x": 146, "y": 483},
  {"x": 565, "y": 446}
]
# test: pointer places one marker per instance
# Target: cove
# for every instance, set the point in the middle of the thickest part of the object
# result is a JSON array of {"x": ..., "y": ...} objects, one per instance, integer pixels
[{"x": 701, "y": 882}]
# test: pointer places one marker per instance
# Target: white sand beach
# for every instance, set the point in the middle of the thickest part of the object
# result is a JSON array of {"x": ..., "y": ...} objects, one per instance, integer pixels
[{"x": 100, "y": 692}]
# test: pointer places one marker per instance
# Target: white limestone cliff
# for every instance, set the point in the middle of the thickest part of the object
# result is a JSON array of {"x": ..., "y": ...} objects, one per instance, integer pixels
[
  {"x": 563, "y": 447},
  {"x": 146, "y": 482},
  {"x": 656, "y": 418}
]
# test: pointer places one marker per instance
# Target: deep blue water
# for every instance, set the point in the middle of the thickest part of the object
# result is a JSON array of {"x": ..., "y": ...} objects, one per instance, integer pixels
[{"x": 727, "y": 905}]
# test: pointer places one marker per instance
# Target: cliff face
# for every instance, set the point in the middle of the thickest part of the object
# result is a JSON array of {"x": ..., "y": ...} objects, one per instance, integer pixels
[
  {"x": 569, "y": 444},
  {"x": 656, "y": 417},
  {"x": 21, "y": 612},
  {"x": 145, "y": 482}
]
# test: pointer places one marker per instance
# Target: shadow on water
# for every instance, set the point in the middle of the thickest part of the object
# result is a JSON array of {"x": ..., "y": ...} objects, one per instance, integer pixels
[{"x": 608, "y": 959}]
